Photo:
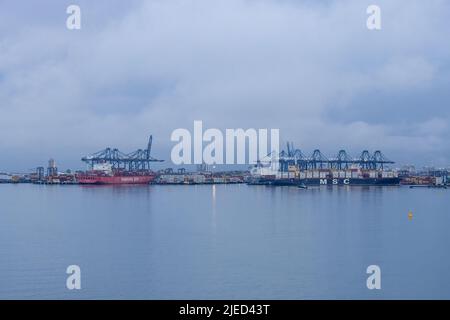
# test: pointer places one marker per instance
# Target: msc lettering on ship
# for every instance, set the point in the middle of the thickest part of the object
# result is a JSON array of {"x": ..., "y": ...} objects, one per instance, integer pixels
[{"x": 334, "y": 181}]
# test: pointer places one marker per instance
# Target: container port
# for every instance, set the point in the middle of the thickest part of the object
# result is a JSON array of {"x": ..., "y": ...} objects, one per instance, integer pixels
[{"x": 291, "y": 167}]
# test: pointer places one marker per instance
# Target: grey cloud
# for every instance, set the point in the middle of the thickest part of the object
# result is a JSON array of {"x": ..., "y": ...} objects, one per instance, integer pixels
[{"x": 311, "y": 69}]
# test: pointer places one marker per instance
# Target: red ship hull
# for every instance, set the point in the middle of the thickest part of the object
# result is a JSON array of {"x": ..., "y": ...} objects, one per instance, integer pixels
[{"x": 115, "y": 179}]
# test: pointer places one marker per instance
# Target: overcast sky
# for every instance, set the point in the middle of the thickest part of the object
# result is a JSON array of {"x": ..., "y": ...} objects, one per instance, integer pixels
[{"x": 310, "y": 68}]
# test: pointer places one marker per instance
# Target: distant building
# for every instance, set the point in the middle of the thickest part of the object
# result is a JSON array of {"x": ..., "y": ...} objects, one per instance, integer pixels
[
  {"x": 4, "y": 177},
  {"x": 52, "y": 170},
  {"x": 203, "y": 167},
  {"x": 40, "y": 173}
]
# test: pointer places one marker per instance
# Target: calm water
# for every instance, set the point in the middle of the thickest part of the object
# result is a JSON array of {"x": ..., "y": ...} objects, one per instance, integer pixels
[{"x": 229, "y": 242}]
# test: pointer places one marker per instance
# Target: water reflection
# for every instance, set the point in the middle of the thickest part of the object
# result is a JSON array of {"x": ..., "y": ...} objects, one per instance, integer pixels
[
  {"x": 222, "y": 241},
  {"x": 214, "y": 210}
]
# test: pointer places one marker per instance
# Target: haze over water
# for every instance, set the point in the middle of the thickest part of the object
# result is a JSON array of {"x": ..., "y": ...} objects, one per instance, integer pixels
[{"x": 223, "y": 242}]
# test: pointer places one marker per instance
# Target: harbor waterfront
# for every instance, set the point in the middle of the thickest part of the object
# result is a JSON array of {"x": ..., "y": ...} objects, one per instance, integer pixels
[
  {"x": 285, "y": 168},
  {"x": 290, "y": 167},
  {"x": 230, "y": 241}
]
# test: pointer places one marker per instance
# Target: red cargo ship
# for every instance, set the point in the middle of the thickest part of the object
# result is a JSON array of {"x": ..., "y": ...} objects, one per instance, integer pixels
[
  {"x": 129, "y": 178},
  {"x": 105, "y": 166},
  {"x": 109, "y": 176}
]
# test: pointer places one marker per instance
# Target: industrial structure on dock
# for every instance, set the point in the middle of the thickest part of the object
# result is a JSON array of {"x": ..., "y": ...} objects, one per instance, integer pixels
[
  {"x": 292, "y": 167},
  {"x": 317, "y": 160},
  {"x": 134, "y": 161},
  {"x": 111, "y": 166},
  {"x": 288, "y": 167}
]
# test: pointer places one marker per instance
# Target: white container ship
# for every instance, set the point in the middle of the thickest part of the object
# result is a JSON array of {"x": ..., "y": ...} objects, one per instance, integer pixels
[{"x": 268, "y": 175}]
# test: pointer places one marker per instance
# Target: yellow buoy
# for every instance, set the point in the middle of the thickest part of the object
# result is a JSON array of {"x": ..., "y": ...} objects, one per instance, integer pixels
[{"x": 410, "y": 215}]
